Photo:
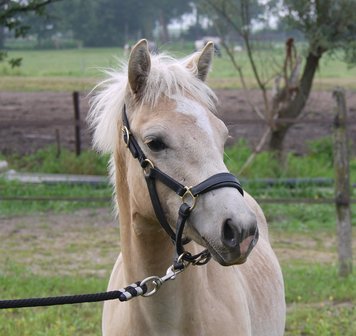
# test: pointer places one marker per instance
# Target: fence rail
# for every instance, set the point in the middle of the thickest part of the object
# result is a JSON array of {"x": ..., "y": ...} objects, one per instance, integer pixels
[
  {"x": 69, "y": 122},
  {"x": 55, "y": 198},
  {"x": 38, "y": 123},
  {"x": 276, "y": 200}
]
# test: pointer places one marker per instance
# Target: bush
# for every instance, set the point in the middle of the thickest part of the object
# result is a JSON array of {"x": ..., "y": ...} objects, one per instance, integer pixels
[
  {"x": 318, "y": 162},
  {"x": 322, "y": 149}
]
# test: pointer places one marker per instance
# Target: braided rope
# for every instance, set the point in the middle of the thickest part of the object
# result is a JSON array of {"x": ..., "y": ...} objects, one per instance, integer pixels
[{"x": 124, "y": 294}]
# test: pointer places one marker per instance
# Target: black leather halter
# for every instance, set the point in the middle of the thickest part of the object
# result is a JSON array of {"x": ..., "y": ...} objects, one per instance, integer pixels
[{"x": 187, "y": 194}]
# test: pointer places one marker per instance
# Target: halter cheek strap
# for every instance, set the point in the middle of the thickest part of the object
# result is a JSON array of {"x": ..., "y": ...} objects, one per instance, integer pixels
[{"x": 152, "y": 173}]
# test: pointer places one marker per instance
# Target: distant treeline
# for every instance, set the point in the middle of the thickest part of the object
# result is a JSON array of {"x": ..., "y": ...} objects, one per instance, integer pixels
[
  {"x": 96, "y": 23},
  {"x": 99, "y": 23}
]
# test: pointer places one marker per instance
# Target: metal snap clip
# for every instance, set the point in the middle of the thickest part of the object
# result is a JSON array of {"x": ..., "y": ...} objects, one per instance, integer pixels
[{"x": 152, "y": 281}]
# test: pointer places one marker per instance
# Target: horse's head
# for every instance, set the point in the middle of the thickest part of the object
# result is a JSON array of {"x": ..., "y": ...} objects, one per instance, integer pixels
[{"x": 171, "y": 113}]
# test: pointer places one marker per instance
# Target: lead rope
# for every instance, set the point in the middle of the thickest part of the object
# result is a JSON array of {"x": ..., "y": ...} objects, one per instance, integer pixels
[
  {"x": 145, "y": 288},
  {"x": 125, "y": 294}
]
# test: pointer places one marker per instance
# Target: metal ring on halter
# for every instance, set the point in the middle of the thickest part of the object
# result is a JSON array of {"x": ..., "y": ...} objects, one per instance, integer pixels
[
  {"x": 188, "y": 193},
  {"x": 126, "y": 133},
  {"x": 148, "y": 167},
  {"x": 155, "y": 281},
  {"x": 202, "y": 259},
  {"x": 184, "y": 262}
]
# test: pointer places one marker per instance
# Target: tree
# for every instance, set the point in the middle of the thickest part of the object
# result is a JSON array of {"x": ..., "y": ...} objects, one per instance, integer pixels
[
  {"x": 168, "y": 10},
  {"x": 12, "y": 13},
  {"x": 115, "y": 22},
  {"x": 328, "y": 26}
]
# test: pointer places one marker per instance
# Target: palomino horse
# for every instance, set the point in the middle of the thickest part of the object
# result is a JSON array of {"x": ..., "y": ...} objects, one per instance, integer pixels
[{"x": 158, "y": 112}]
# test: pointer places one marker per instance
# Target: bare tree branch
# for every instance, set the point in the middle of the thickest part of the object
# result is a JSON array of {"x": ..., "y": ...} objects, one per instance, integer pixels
[
  {"x": 257, "y": 149},
  {"x": 239, "y": 70}
]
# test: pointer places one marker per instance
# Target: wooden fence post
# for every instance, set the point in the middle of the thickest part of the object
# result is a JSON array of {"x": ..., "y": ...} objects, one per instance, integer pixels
[
  {"x": 342, "y": 184},
  {"x": 77, "y": 122},
  {"x": 58, "y": 143}
]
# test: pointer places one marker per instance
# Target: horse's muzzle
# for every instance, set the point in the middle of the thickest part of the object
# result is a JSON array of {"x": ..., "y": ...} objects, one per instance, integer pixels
[{"x": 236, "y": 245}]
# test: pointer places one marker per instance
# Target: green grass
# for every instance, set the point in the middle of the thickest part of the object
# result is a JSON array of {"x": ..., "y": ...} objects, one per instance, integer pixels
[
  {"x": 318, "y": 162},
  {"x": 22, "y": 207},
  {"x": 323, "y": 284},
  {"x": 62, "y": 63},
  {"x": 46, "y": 161},
  {"x": 323, "y": 319},
  {"x": 35, "y": 260},
  {"x": 325, "y": 315},
  {"x": 69, "y": 69},
  {"x": 319, "y": 302},
  {"x": 83, "y": 319}
]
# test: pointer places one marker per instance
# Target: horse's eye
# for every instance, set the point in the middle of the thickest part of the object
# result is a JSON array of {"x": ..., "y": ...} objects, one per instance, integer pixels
[{"x": 156, "y": 145}]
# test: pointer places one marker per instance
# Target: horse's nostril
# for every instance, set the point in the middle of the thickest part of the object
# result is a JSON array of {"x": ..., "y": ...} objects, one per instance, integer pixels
[{"x": 229, "y": 234}]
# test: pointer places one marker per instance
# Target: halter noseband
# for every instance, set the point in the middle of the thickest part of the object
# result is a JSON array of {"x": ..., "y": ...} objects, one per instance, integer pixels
[{"x": 152, "y": 173}]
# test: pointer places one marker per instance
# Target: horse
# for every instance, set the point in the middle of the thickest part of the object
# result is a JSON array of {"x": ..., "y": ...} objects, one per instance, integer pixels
[{"x": 157, "y": 117}]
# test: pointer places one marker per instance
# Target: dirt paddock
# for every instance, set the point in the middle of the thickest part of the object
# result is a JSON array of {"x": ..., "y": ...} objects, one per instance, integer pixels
[{"x": 30, "y": 120}]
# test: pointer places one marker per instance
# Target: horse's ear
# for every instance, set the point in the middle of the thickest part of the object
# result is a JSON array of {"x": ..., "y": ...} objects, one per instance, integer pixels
[
  {"x": 201, "y": 62},
  {"x": 139, "y": 66}
]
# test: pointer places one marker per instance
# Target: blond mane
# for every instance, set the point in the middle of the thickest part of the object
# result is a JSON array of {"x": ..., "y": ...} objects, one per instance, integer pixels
[{"x": 168, "y": 77}]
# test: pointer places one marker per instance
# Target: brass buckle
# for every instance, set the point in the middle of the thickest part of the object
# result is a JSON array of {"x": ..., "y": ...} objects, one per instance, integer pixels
[
  {"x": 148, "y": 168},
  {"x": 188, "y": 194},
  {"x": 126, "y": 133}
]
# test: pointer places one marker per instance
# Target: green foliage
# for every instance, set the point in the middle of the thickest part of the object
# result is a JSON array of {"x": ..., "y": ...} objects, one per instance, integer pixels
[
  {"x": 46, "y": 161},
  {"x": 12, "y": 17},
  {"x": 322, "y": 149},
  {"x": 318, "y": 163},
  {"x": 110, "y": 22},
  {"x": 328, "y": 25}
]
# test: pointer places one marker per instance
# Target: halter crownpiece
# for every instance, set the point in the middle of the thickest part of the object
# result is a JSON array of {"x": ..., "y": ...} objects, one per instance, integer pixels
[{"x": 152, "y": 173}]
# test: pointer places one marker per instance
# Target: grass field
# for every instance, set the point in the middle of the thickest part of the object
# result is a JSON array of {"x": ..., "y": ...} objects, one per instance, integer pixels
[
  {"x": 69, "y": 253},
  {"x": 81, "y": 68},
  {"x": 57, "y": 248}
]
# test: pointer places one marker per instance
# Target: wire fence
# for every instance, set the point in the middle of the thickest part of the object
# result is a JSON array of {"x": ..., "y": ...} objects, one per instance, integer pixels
[
  {"x": 78, "y": 123},
  {"x": 296, "y": 200}
]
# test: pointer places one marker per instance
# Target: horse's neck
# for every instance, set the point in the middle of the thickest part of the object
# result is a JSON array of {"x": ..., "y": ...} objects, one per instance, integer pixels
[
  {"x": 144, "y": 254},
  {"x": 146, "y": 248}
]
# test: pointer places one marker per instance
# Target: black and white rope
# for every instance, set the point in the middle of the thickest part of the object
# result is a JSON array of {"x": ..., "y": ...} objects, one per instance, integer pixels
[{"x": 124, "y": 294}]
